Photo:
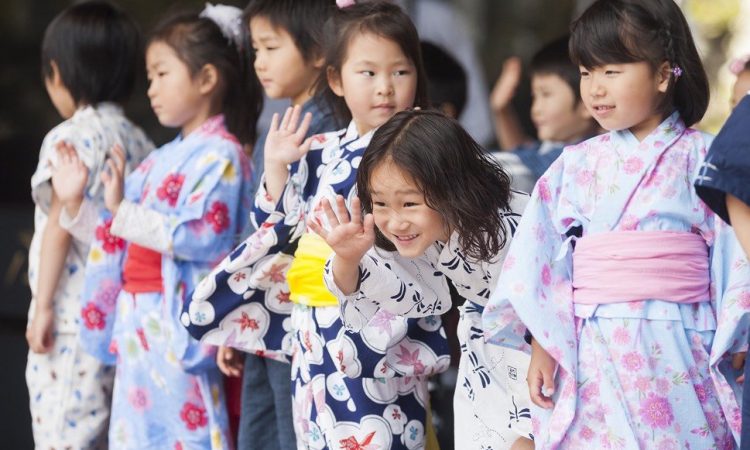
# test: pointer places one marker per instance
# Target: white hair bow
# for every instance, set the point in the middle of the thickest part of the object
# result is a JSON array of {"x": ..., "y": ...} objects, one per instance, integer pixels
[{"x": 228, "y": 18}]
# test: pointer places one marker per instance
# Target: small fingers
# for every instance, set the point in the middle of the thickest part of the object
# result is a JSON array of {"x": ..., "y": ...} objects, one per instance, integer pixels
[
  {"x": 343, "y": 213},
  {"x": 118, "y": 154},
  {"x": 318, "y": 229},
  {"x": 294, "y": 118},
  {"x": 285, "y": 120},
  {"x": 328, "y": 211},
  {"x": 303, "y": 127},
  {"x": 356, "y": 210}
]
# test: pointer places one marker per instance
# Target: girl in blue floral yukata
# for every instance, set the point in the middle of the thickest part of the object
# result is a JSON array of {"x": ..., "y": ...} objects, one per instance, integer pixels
[
  {"x": 631, "y": 290},
  {"x": 170, "y": 221}
]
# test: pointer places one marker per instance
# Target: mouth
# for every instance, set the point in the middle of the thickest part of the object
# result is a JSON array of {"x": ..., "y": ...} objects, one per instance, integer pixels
[
  {"x": 405, "y": 238},
  {"x": 603, "y": 109},
  {"x": 387, "y": 107}
]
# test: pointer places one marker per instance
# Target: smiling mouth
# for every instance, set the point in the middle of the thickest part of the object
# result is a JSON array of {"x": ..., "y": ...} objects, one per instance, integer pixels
[
  {"x": 603, "y": 109},
  {"x": 405, "y": 237}
]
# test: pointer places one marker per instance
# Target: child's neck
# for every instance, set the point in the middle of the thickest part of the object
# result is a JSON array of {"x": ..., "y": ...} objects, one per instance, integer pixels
[
  {"x": 198, "y": 119},
  {"x": 302, "y": 97}
]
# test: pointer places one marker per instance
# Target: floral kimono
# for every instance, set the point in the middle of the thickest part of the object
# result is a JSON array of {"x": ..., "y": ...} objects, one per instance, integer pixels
[
  {"x": 344, "y": 392},
  {"x": 185, "y": 202},
  {"x": 643, "y": 373},
  {"x": 491, "y": 401}
]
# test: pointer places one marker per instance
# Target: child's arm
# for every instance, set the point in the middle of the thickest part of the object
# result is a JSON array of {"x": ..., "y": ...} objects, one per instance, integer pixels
[
  {"x": 541, "y": 376},
  {"x": 508, "y": 130},
  {"x": 739, "y": 214},
  {"x": 69, "y": 177},
  {"x": 285, "y": 144},
  {"x": 350, "y": 238},
  {"x": 55, "y": 245}
]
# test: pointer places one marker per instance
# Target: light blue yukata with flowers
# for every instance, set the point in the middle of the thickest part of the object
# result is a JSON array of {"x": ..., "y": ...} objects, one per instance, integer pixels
[
  {"x": 643, "y": 373},
  {"x": 350, "y": 390},
  {"x": 184, "y": 201}
]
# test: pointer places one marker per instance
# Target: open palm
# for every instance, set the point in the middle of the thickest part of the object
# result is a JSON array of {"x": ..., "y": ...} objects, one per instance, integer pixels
[
  {"x": 350, "y": 236},
  {"x": 285, "y": 142},
  {"x": 69, "y": 176}
]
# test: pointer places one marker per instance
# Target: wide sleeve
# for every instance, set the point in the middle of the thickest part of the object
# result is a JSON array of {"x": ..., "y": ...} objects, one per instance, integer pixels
[
  {"x": 534, "y": 290},
  {"x": 407, "y": 288},
  {"x": 730, "y": 278}
]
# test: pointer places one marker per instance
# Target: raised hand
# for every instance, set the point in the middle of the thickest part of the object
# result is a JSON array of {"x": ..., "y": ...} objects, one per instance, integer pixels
[
  {"x": 506, "y": 84},
  {"x": 113, "y": 179},
  {"x": 286, "y": 141},
  {"x": 69, "y": 177},
  {"x": 350, "y": 237}
]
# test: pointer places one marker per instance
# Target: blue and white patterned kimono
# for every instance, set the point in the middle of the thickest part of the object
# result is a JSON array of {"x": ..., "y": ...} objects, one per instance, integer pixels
[
  {"x": 645, "y": 374},
  {"x": 491, "y": 402},
  {"x": 345, "y": 390},
  {"x": 185, "y": 201}
]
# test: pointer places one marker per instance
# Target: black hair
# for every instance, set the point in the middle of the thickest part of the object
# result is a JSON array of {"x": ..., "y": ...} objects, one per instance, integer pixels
[
  {"x": 433, "y": 149},
  {"x": 378, "y": 17},
  {"x": 97, "y": 50},
  {"x": 303, "y": 20},
  {"x": 654, "y": 31},
  {"x": 446, "y": 79},
  {"x": 198, "y": 41},
  {"x": 553, "y": 59}
]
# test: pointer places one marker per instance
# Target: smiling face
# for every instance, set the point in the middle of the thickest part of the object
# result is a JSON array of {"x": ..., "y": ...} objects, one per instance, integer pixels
[
  {"x": 376, "y": 80},
  {"x": 176, "y": 97},
  {"x": 554, "y": 110},
  {"x": 281, "y": 68},
  {"x": 625, "y": 96},
  {"x": 401, "y": 213}
]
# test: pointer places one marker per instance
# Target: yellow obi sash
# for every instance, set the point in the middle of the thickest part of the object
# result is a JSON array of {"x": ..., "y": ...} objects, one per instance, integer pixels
[{"x": 305, "y": 275}]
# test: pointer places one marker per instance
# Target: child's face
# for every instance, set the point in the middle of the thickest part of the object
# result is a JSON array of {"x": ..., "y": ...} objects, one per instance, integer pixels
[
  {"x": 175, "y": 96},
  {"x": 280, "y": 67},
  {"x": 376, "y": 80},
  {"x": 59, "y": 94},
  {"x": 741, "y": 87},
  {"x": 554, "y": 110},
  {"x": 625, "y": 96},
  {"x": 401, "y": 214}
]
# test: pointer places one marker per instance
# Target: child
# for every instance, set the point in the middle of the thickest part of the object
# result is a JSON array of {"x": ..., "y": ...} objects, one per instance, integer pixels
[
  {"x": 373, "y": 70},
  {"x": 176, "y": 216},
  {"x": 430, "y": 234},
  {"x": 722, "y": 184},
  {"x": 740, "y": 67},
  {"x": 286, "y": 36},
  {"x": 611, "y": 266},
  {"x": 558, "y": 114},
  {"x": 70, "y": 390}
]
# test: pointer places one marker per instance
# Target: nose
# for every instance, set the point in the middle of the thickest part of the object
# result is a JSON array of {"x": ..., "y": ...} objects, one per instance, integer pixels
[
  {"x": 151, "y": 92},
  {"x": 385, "y": 86},
  {"x": 259, "y": 63},
  {"x": 596, "y": 88}
]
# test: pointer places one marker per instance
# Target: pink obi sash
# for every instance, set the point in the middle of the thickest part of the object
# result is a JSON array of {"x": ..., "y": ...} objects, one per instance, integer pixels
[{"x": 628, "y": 266}]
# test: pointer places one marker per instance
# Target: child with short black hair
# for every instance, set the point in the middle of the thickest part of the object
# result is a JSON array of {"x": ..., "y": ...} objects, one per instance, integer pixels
[
  {"x": 70, "y": 390},
  {"x": 557, "y": 112}
]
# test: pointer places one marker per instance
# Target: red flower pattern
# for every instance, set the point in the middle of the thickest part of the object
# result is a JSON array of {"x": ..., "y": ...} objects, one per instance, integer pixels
[
  {"x": 93, "y": 317},
  {"x": 110, "y": 243},
  {"x": 218, "y": 216},
  {"x": 193, "y": 415},
  {"x": 169, "y": 190}
]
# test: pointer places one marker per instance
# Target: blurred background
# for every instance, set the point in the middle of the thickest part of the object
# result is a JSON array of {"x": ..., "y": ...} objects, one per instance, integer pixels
[{"x": 483, "y": 33}]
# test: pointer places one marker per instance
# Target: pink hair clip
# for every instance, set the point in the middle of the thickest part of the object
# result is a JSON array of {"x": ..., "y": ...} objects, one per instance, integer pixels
[
  {"x": 344, "y": 3},
  {"x": 738, "y": 64},
  {"x": 677, "y": 71}
]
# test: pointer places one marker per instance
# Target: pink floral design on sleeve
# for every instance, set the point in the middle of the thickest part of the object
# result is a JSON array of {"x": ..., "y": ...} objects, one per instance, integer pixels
[{"x": 169, "y": 190}]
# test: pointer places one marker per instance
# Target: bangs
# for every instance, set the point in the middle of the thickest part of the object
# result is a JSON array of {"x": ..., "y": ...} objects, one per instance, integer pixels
[{"x": 605, "y": 35}]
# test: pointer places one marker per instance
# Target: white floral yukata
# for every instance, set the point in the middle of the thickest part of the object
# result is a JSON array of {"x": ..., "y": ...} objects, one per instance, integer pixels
[
  {"x": 69, "y": 390},
  {"x": 639, "y": 374},
  {"x": 491, "y": 402}
]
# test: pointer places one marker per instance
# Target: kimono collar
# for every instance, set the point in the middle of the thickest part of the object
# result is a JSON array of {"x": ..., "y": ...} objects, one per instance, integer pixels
[
  {"x": 669, "y": 129},
  {"x": 352, "y": 140},
  {"x": 100, "y": 108}
]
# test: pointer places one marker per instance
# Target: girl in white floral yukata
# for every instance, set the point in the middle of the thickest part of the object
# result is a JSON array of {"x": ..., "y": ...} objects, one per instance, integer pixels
[
  {"x": 429, "y": 235},
  {"x": 630, "y": 288}
]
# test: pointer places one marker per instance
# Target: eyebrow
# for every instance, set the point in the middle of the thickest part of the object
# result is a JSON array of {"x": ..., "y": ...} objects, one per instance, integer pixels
[
  {"x": 373, "y": 63},
  {"x": 401, "y": 191}
]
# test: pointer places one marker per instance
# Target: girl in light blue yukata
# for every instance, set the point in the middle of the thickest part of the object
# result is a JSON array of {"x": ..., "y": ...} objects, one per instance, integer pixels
[
  {"x": 633, "y": 293},
  {"x": 170, "y": 221}
]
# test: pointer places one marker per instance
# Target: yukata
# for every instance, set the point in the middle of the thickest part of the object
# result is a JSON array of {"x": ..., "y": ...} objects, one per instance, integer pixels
[
  {"x": 491, "y": 402},
  {"x": 69, "y": 390},
  {"x": 345, "y": 391},
  {"x": 183, "y": 204},
  {"x": 634, "y": 371},
  {"x": 726, "y": 170}
]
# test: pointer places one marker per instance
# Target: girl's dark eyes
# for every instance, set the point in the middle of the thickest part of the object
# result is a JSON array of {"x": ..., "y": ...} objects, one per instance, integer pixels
[
  {"x": 381, "y": 204},
  {"x": 410, "y": 204}
]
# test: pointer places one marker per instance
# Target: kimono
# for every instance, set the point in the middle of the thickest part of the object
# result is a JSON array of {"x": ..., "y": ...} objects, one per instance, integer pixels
[
  {"x": 343, "y": 392},
  {"x": 637, "y": 374},
  {"x": 184, "y": 201},
  {"x": 70, "y": 390},
  {"x": 491, "y": 401}
]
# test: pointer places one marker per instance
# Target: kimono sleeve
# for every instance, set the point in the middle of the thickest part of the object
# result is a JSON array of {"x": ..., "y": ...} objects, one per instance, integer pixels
[
  {"x": 534, "y": 290},
  {"x": 730, "y": 278},
  {"x": 412, "y": 289}
]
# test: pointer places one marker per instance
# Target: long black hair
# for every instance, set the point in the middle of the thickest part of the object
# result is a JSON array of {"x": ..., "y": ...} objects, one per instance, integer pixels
[
  {"x": 381, "y": 18},
  {"x": 198, "y": 41},
  {"x": 654, "y": 31},
  {"x": 457, "y": 177}
]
